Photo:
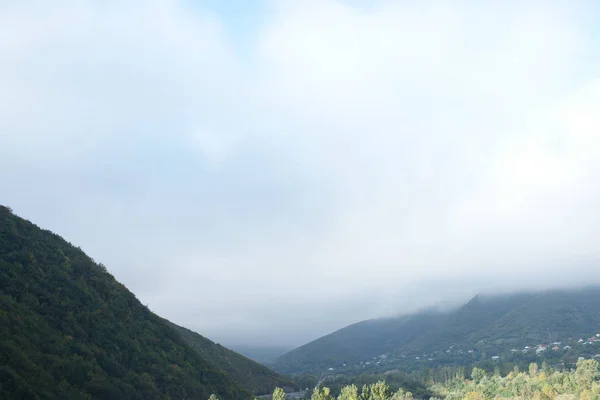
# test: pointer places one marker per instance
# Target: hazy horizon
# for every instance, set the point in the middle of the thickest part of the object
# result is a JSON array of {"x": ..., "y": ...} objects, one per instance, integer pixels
[{"x": 267, "y": 172}]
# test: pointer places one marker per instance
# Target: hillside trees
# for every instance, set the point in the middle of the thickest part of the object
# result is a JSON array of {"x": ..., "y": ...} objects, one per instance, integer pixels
[{"x": 546, "y": 384}]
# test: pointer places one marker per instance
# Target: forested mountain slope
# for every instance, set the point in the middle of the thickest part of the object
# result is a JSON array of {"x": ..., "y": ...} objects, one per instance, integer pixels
[
  {"x": 485, "y": 326},
  {"x": 68, "y": 329},
  {"x": 249, "y": 374},
  {"x": 357, "y": 342}
]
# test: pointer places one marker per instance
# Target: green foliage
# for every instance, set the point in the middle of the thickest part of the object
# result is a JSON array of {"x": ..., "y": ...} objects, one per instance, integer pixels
[
  {"x": 278, "y": 394},
  {"x": 583, "y": 383},
  {"x": 307, "y": 381},
  {"x": 394, "y": 380},
  {"x": 478, "y": 375},
  {"x": 356, "y": 343},
  {"x": 348, "y": 393},
  {"x": 533, "y": 369},
  {"x": 68, "y": 329},
  {"x": 402, "y": 394},
  {"x": 470, "y": 335},
  {"x": 321, "y": 393},
  {"x": 378, "y": 391}
]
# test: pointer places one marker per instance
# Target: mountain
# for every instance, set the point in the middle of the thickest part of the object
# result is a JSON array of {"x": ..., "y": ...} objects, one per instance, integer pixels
[
  {"x": 261, "y": 354},
  {"x": 357, "y": 342},
  {"x": 68, "y": 329},
  {"x": 483, "y": 327},
  {"x": 249, "y": 374}
]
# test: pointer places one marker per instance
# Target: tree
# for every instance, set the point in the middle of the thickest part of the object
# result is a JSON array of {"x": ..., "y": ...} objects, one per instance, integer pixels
[
  {"x": 365, "y": 393},
  {"x": 587, "y": 372},
  {"x": 349, "y": 393},
  {"x": 278, "y": 394},
  {"x": 545, "y": 366},
  {"x": 477, "y": 375},
  {"x": 379, "y": 391},
  {"x": 307, "y": 381},
  {"x": 533, "y": 369},
  {"x": 401, "y": 394},
  {"x": 320, "y": 394}
]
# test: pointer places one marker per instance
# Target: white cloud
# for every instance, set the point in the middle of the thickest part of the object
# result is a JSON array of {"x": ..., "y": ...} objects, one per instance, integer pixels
[{"x": 356, "y": 154}]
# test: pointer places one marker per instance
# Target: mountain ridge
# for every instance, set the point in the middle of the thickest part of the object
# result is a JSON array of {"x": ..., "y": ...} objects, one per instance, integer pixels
[
  {"x": 69, "y": 329},
  {"x": 484, "y": 325}
]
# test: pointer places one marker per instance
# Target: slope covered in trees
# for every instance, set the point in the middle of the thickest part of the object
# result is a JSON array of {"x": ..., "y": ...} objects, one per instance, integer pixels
[
  {"x": 358, "y": 342},
  {"x": 580, "y": 383},
  {"x": 485, "y": 327},
  {"x": 68, "y": 329},
  {"x": 249, "y": 374}
]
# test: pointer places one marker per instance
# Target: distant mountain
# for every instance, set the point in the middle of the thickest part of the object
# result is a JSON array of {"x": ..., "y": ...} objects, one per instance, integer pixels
[
  {"x": 484, "y": 327},
  {"x": 68, "y": 329},
  {"x": 357, "y": 342},
  {"x": 249, "y": 374},
  {"x": 261, "y": 354}
]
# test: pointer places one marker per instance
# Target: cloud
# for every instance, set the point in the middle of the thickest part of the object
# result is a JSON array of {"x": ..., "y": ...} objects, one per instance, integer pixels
[{"x": 346, "y": 161}]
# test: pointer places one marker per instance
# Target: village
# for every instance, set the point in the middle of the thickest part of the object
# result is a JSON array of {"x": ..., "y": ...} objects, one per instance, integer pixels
[{"x": 478, "y": 351}]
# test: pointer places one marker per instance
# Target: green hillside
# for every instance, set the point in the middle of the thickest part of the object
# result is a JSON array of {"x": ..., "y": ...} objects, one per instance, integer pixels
[
  {"x": 247, "y": 373},
  {"x": 68, "y": 329},
  {"x": 485, "y": 327},
  {"x": 360, "y": 341}
]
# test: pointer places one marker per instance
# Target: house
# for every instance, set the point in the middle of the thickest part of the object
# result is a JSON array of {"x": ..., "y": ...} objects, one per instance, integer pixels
[
  {"x": 596, "y": 356},
  {"x": 495, "y": 358},
  {"x": 417, "y": 358},
  {"x": 470, "y": 351},
  {"x": 540, "y": 350},
  {"x": 331, "y": 369},
  {"x": 556, "y": 343},
  {"x": 567, "y": 347},
  {"x": 580, "y": 340},
  {"x": 556, "y": 348},
  {"x": 513, "y": 350}
]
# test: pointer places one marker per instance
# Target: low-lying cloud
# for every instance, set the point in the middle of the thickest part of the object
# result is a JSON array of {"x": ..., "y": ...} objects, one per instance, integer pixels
[{"x": 335, "y": 162}]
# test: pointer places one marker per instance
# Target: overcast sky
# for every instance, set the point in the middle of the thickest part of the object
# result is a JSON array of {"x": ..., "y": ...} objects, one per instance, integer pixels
[{"x": 265, "y": 172}]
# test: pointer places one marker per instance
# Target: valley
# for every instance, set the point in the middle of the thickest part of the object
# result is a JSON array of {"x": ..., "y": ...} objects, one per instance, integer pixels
[{"x": 69, "y": 328}]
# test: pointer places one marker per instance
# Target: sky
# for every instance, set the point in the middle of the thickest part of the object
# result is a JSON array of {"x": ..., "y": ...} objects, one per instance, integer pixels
[{"x": 267, "y": 172}]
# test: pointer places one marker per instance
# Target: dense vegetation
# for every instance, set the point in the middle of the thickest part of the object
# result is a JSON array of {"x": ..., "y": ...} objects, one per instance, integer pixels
[
  {"x": 394, "y": 380},
  {"x": 582, "y": 383},
  {"x": 357, "y": 342},
  {"x": 68, "y": 329},
  {"x": 545, "y": 384},
  {"x": 474, "y": 333}
]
